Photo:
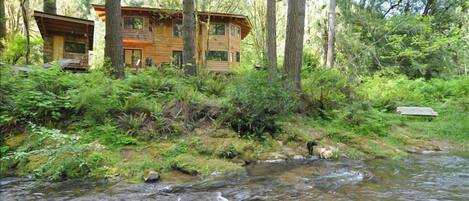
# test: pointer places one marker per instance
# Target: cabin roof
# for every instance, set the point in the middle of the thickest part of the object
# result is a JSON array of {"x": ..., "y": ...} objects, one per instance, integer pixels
[
  {"x": 161, "y": 13},
  {"x": 59, "y": 24}
]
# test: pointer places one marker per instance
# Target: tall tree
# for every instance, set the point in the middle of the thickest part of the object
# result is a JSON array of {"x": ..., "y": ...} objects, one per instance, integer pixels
[
  {"x": 331, "y": 38},
  {"x": 113, "y": 37},
  {"x": 428, "y": 7},
  {"x": 3, "y": 26},
  {"x": 25, "y": 12},
  {"x": 50, "y": 6},
  {"x": 294, "y": 42},
  {"x": 188, "y": 37},
  {"x": 271, "y": 35}
]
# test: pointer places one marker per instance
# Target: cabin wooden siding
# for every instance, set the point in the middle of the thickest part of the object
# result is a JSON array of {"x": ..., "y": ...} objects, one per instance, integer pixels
[
  {"x": 48, "y": 47},
  {"x": 160, "y": 46}
]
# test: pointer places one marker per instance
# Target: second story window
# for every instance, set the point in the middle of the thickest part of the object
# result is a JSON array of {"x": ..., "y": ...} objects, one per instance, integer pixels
[
  {"x": 217, "y": 29},
  {"x": 235, "y": 31},
  {"x": 217, "y": 56},
  {"x": 135, "y": 23},
  {"x": 177, "y": 28}
]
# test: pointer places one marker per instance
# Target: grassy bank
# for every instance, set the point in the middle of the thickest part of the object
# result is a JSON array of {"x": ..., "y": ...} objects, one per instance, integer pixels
[{"x": 59, "y": 125}]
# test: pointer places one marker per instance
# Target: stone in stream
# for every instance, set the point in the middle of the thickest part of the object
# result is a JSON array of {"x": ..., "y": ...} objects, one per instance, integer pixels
[{"x": 151, "y": 176}]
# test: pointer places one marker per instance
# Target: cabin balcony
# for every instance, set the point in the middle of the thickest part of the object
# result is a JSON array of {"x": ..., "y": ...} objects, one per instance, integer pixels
[{"x": 132, "y": 35}]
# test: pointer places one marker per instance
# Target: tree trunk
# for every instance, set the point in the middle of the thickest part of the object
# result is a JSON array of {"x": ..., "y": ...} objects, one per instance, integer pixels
[
  {"x": 50, "y": 6},
  {"x": 188, "y": 25},
  {"x": 3, "y": 26},
  {"x": 294, "y": 42},
  {"x": 331, "y": 37},
  {"x": 113, "y": 37},
  {"x": 324, "y": 34},
  {"x": 271, "y": 36},
  {"x": 362, "y": 3},
  {"x": 428, "y": 7},
  {"x": 24, "y": 10}
]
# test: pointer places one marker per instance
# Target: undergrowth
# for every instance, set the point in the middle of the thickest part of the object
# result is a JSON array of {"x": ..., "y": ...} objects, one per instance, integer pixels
[{"x": 60, "y": 125}]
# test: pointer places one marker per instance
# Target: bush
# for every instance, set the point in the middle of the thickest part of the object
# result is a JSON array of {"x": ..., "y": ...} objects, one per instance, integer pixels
[
  {"x": 49, "y": 153},
  {"x": 325, "y": 90},
  {"x": 364, "y": 119},
  {"x": 256, "y": 101},
  {"x": 38, "y": 96},
  {"x": 98, "y": 96},
  {"x": 388, "y": 92},
  {"x": 14, "y": 51}
]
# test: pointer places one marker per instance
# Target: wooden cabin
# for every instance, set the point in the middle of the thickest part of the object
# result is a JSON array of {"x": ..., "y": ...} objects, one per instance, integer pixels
[
  {"x": 152, "y": 37},
  {"x": 66, "y": 39}
]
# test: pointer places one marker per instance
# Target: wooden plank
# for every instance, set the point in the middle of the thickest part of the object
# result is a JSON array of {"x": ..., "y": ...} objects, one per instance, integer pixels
[{"x": 416, "y": 111}]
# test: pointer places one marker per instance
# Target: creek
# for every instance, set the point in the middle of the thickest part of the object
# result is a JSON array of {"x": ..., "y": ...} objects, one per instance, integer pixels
[{"x": 436, "y": 176}]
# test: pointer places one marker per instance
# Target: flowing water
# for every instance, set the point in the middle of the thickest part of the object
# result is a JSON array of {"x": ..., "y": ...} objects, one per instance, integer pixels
[{"x": 420, "y": 177}]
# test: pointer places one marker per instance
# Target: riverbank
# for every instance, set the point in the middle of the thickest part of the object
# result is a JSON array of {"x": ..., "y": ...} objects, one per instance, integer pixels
[
  {"x": 211, "y": 150},
  {"x": 57, "y": 125}
]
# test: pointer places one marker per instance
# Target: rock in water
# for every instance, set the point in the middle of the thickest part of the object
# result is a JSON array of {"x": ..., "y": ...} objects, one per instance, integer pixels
[
  {"x": 151, "y": 176},
  {"x": 326, "y": 152}
]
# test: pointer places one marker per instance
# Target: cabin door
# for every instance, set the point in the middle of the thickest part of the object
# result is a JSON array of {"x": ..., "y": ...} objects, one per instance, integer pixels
[{"x": 58, "y": 48}]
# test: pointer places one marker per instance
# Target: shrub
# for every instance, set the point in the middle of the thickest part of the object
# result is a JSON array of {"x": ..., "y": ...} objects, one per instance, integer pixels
[
  {"x": 256, "y": 101},
  {"x": 49, "y": 153},
  {"x": 325, "y": 90},
  {"x": 388, "y": 92},
  {"x": 364, "y": 119},
  {"x": 14, "y": 50},
  {"x": 38, "y": 96},
  {"x": 98, "y": 96},
  {"x": 108, "y": 135}
]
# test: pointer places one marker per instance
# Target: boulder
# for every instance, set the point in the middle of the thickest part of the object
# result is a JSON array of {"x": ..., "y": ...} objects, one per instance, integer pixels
[
  {"x": 326, "y": 152},
  {"x": 151, "y": 176}
]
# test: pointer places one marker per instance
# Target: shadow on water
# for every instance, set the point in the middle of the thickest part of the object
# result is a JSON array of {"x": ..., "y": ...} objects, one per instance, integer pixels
[{"x": 420, "y": 177}]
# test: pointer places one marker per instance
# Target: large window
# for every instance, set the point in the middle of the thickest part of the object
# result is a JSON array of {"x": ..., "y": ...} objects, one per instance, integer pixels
[
  {"x": 177, "y": 28},
  {"x": 235, "y": 31},
  {"x": 73, "y": 47},
  {"x": 217, "y": 29},
  {"x": 217, "y": 56},
  {"x": 133, "y": 58},
  {"x": 177, "y": 58},
  {"x": 133, "y": 23}
]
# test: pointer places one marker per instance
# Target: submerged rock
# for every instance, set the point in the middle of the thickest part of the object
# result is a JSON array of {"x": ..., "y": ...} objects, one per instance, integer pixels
[
  {"x": 298, "y": 157},
  {"x": 151, "y": 176}
]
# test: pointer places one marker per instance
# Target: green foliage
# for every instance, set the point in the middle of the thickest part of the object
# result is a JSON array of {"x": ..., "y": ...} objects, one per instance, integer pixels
[
  {"x": 15, "y": 47},
  {"x": 39, "y": 97},
  {"x": 108, "y": 135},
  {"x": 97, "y": 96},
  {"x": 364, "y": 120},
  {"x": 417, "y": 49},
  {"x": 388, "y": 92},
  {"x": 370, "y": 39},
  {"x": 143, "y": 117},
  {"x": 179, "y": 148},
  {"x": 51, "y": 154},
  {"x": 256, "y": 101},
  {"x": 325, "y": 90}
]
